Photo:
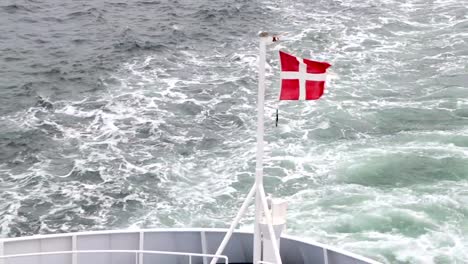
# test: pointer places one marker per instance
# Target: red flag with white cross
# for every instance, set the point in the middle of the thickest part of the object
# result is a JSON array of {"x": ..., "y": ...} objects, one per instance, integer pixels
[{"x": 301, "y": 79}]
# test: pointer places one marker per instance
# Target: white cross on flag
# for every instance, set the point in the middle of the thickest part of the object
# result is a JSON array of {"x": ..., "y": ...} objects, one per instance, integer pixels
[{"x": 301, "y": 79}]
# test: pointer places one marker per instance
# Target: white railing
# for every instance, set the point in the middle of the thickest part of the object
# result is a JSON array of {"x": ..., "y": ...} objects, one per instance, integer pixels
[{"x": 137, "y": 253}]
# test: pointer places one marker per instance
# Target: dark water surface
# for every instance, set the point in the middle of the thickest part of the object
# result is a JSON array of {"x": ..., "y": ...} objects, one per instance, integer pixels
[{"x": 118, "y": 114}]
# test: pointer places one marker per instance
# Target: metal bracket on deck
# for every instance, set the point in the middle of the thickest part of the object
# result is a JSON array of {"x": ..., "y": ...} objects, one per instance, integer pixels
[{"x": 277, "y": 209}]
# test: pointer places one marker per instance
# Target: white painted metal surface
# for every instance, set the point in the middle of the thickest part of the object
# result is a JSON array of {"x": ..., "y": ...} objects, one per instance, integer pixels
[
  {"x": 74, "y": 248},
  {"x": 141, "y": 246},
  {"x": 238, "y": 250},
  {"x": 278, "y": 208},
  {"x": 261, "y": 209},
  {"x": 1, "y": 251},
  {"x": 117, "y": 252},
  {"x": 271, "y": 231},
  {"x": 204, "y": 250},
  {"x": 259, "y": 157}
]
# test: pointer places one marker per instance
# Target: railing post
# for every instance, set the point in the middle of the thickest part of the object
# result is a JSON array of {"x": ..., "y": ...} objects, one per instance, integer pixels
[
  {"x": 1, "y": 252},
  {"x": 203, "y": 243},
  {"x": 325, "y": 256},
  {"x": 141, "y": 247},
  {"x": 74, "y": 249}
]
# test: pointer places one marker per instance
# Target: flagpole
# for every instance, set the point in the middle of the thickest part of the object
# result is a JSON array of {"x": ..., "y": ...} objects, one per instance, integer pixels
[
  {"x": 260, "y": 131},
  {"x": 260, "y": 197}
]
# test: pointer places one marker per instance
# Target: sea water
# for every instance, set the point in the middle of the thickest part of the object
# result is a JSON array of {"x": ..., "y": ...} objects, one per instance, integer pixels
[{"x": 142, "y": 113}]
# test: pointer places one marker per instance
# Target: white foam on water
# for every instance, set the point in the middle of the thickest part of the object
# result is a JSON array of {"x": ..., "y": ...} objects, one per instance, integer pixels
[
  {"x": 171, "y": 139},
  {"x": 323, "y": 195}
]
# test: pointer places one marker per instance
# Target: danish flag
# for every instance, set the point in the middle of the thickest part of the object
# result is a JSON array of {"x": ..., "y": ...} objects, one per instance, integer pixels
[{"x": 301, "y": 79}]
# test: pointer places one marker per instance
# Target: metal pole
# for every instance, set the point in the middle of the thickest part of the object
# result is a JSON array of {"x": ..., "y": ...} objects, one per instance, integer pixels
[
  {"x": 260, "y": 131},
  {"x": 234, "y": 223}
]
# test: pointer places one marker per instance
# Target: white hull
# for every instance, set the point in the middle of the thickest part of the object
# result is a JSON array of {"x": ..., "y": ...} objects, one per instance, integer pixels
[{"x": 166, "y": 246}]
